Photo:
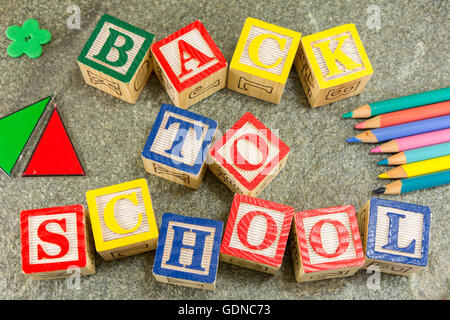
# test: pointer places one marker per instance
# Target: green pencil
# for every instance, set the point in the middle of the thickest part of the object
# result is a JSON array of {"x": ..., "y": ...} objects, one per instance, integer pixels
[{"x": 400, "y": 103}]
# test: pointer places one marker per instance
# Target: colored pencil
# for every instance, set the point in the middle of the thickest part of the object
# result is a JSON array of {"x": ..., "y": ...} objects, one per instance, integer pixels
[
  {"x": 402, "y": 130},
  {"x": 400, "y": 103},
  {"x": 419, "y": 168},
  {"x": 416, "y": 183},
  {"x": 413, "y": 142},
  {"x": 408, "y": 115},
  {"x": 419, "y": 154}
]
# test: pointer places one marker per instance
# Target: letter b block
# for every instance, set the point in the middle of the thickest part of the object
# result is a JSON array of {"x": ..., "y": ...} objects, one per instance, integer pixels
[
  {"x": 54, "y": 241},
  {"x": 116, "y": 59},
  {"x": 123, "y": 222},
  {"x": 256, "y": 234},
  {"x": 332, "y": 65},
  {"x": 395, "y": 235},
  {"x": 188, "y": 251},
  {"x": 326, "y": 244},
  {"x": 262, "y": 60}
]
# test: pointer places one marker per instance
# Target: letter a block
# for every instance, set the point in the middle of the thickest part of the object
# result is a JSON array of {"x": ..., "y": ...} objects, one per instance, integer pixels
[
  {"x": 256, "y": 234},
  {"x": 262, "y": 60},
  {"x": 189, "y": 65},
  {"x": 177, "y": 146},
  {"x": 188, "y": 251},
  {"x": 56, "y": 242},
  {"x": 395, "y": 235},
  {"x": 116, "y": 59},
  {"x": 248, "y": 156},
  {"x": 326, "y": 244},
  {"x": 332, "y": 65},
  {"x": 123, "y": 222}
]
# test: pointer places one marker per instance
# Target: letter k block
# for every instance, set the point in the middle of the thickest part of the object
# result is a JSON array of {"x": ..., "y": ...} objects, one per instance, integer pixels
[
  {"x": 117, "y": 59},
  {"x": 122, "y": 218},
  {"x": 188, "y": 251},
  {"x": 177, "y": 146}
]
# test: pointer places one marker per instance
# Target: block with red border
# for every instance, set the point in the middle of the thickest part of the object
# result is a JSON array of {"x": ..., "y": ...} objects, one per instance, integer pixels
[
  {"x": 256, "y": 234},
  {"x": 56, "y": 241},
  {"x": 326, "y": 243},
  {"x": 189, "y": 65},
  {"x": 248, "y": 156}
]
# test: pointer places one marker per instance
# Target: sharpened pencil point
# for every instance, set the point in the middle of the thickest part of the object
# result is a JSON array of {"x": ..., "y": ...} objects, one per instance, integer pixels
[
  {"x": 347, "y": 115},
  {"x": 383, "y": 176},
  {"x": 360, "y": 125},
  {"x": 353, "y": 139},
  {"x": 376, "y": 150},
  {"x": 380, "y": 190},
  {"x": 383, "y": 162}
]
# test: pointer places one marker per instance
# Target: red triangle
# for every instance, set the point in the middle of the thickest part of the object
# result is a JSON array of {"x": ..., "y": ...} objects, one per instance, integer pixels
[{"x": 54, "y": 154}]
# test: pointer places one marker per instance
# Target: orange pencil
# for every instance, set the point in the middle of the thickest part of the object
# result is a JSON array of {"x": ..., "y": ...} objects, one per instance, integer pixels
[{"x": 408, "y": 115}]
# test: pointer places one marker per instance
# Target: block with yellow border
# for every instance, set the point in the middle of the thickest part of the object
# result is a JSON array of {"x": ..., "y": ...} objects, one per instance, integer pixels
[
  {"x": 262, "y": 60},
  {"x": 332, "y": 65},
  {"x": 122, "y": 219}
]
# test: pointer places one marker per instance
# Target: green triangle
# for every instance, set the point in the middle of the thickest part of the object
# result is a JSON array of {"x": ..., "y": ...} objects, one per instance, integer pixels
[{"x": 15, "y": 130}]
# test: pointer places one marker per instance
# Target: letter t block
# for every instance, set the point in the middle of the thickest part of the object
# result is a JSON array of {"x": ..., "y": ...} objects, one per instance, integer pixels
[
  {"x": 395, "y": 235},
  {"x": 262, "y": 60}
]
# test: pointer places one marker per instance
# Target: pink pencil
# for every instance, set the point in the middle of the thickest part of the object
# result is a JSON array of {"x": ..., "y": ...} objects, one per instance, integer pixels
[{"x": 413, "y": 142}]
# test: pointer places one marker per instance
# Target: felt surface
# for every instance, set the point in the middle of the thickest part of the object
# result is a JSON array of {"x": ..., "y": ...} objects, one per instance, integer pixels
[{"x": 409, "y": 54}]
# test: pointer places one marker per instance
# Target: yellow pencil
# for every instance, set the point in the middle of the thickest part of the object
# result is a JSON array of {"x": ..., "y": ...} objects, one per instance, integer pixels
[{"x": 418, "y": 168}]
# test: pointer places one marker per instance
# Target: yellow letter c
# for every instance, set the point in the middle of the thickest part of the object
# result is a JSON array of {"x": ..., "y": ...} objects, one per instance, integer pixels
[
  {"x": 110, "y": 219},
  {"x": 254, "y": 46}
]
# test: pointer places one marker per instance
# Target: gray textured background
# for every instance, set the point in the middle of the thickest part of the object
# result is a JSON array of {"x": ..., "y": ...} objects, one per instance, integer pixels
[{"x": 409, "y": 54}]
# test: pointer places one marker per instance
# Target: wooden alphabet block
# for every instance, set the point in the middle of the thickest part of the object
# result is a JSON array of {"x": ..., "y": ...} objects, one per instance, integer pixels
[
  {"x": 395, "y": 235},
  {"x": 117, "y": 59},
  {"x": 177, "y": 146},
  {"x": 248, "y": 156},
  {"x": 122, "y": 218},
  {"x": 188, "y": 251},
  {"x": 326, "y": 244},
  {"x": 256, "y": 234},
  {"x": 56, "y": 241},
  {"x": 262, "y": 60},
  {"x": 332, "y": 65},
  {"x": 189, "y": 65}
]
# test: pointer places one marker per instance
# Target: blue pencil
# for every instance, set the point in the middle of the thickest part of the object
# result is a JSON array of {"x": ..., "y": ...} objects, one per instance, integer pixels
[{"x": 416, "y": 183}]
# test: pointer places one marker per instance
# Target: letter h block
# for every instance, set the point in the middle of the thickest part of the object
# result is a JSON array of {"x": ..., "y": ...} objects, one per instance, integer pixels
[
  {"x": 395, "y": 235},
  {"x": 326, "y": 244},
  {"x": 262, "y": 60},
  {"x": 117, "y": 59},
  {"x": 56, "y": 241},
  {"x": 188, "y": 251},
  {"x": 189, "y": 65},
  {"x": 248, "y": 156},
  {"x": 177, "y": 146},
  {"x": 256, "y": 234},
  {"x": 332, "y": 65},
  {"x": 123, "y": 222}
]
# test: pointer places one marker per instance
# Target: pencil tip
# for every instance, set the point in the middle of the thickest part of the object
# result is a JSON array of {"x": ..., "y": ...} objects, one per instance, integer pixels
[
  {"x": 383, "y": 176},
  {"x": 353, "y": 139},
  {"x": 376, "y": 150},
  {"x": 347, "y": 115},
  {"x": 360, "y": 125},
  {"x": 379, "y": 190},
  {"x": 383, "y": 162}
]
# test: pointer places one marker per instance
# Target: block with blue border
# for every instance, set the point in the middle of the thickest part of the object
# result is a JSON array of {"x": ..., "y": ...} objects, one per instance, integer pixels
[
  {"x": 395, "y": 235},
  {"x": 188, "y": 251},
  {"x": 177, "y": 145}
]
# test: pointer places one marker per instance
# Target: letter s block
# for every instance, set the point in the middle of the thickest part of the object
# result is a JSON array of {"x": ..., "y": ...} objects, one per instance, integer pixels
[
  {"x": 177, "y": 146},
  {"x": 116, "y": 59},
  {"x": 122, "y": 218},
  {"x": 248, "y": 156},
  {"x": 395, "y": 235},
  {"x": 189, "y": 65},
  {"x": 326, "y": 244},
  {"x": 262, "y": 60},
  {"x": 256, "y": 234},
  {"x": 188, "y": 251},
  {"x": 332, "y": 65},
  {"x": 55, "y": 240}
]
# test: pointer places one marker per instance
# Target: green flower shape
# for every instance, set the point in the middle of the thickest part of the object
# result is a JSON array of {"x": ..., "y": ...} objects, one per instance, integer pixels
[{"x": 27, "y": 39}]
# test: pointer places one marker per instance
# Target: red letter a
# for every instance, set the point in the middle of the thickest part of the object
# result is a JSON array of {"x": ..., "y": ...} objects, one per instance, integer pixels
[{"x": 193, "y": 53}]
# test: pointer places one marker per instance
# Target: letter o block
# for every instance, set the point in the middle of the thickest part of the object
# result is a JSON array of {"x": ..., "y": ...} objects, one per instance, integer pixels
[
  {"x": 256, "y": 234},
  {"x": 395, "y": 235},
  {"x": 248, "y": 156},
  {"x": 332, "y": 65},
  {"x": 122, "y": 218},
  {"x": 326, "y": 244},
  {"x": 56, "y": 241},
  {"x": 189, "y": 65},
  {"x": 116, "y": 59},
  {"x": 262, "y": 60}
]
